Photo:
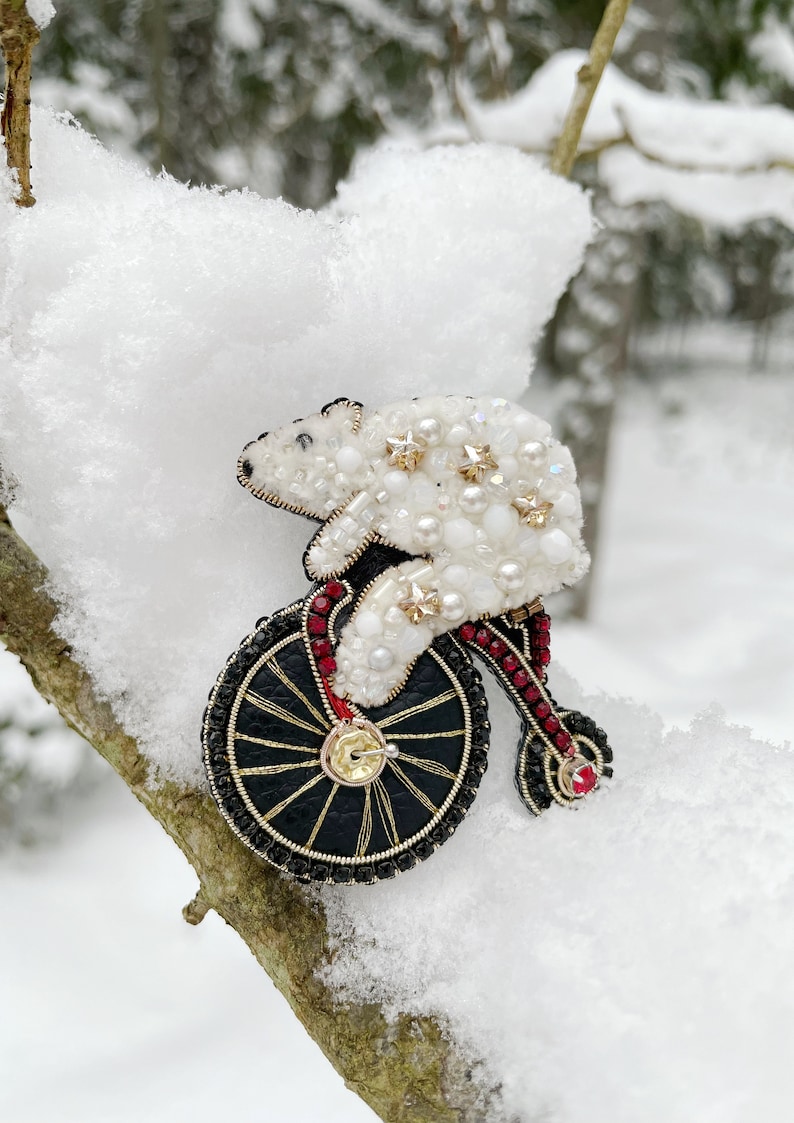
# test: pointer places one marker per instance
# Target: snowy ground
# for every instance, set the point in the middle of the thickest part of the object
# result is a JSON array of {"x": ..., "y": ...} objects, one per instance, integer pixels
[{"x": 114, "y": 1010}]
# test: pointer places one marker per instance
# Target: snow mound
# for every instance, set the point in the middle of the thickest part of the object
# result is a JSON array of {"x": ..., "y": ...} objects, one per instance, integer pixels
[
  {"x": 148, "y": 331},
  {"x": 622, "y": 962}
]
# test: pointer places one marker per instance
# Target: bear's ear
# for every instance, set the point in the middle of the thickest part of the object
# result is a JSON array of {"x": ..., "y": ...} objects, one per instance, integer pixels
[{"x": 348, "y": 409}]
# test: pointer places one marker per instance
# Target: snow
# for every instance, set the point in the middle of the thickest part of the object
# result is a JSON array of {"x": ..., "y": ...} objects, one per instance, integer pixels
[
  {"x": 722, "y": 163},
  {"x": 114, "y": 1009},
  {"x": 773, "y": 47},
  {"x": 620, "y": 946},
  {"x": 626, "y": 961},
  {"x": 40, "y": 11},
  {"x": 152, "y": 330}
]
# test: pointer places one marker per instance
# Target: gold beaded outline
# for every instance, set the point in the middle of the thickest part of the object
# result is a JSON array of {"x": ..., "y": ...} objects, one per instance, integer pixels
[{"x": 332, "y": 859}]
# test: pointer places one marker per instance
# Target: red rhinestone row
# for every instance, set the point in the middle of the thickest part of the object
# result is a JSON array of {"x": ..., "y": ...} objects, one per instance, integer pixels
[
  {"x": 510, "y": 664},
  {"x": 540, "y": 641},
  {"x": 317, "y": 626}
]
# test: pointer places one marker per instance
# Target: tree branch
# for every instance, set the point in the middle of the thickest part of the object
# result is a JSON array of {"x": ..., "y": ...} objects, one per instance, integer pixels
[
  {"x": 406, "y": 1070},
  {"x": 18, "y": 36},
  {"x": 564, "y": 155}
]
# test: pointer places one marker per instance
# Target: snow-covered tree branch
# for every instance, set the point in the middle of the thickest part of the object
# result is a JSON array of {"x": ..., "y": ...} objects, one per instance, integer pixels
[{"x": 405, "y": 1068}]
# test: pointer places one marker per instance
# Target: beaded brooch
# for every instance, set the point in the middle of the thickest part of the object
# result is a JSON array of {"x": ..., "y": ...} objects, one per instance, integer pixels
[{"x": 345, "y": 738}]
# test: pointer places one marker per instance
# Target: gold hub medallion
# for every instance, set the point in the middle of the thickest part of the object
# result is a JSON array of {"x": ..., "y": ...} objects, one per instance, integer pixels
[{"x": 354, "y": 752}]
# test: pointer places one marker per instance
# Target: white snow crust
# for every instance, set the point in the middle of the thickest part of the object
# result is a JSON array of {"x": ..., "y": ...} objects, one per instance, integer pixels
[
  {"x": 40, "y": 11},
  {"x": 149, "y": 331},
  {"x": 625, "y": 961},
  {"x": 716, "y": 161}
]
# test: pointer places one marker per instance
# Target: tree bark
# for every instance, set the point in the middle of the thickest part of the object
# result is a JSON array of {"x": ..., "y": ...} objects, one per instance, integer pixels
[
  {"x": 18, "y": 36},
  {"x": 407, "y": 1070}
]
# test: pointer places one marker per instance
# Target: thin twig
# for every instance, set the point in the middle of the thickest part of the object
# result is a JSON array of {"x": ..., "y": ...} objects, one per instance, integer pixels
[
  {"x": 18, "y": 36},
  {"x": 587, "y": 79}
]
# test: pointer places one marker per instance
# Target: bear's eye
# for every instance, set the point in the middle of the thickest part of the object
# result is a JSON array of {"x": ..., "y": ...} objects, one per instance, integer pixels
[{"x": 304, "y": 440}]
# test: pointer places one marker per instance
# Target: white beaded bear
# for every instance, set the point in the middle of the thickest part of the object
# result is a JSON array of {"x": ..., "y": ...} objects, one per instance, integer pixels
[{"x": 475, "y": 489}]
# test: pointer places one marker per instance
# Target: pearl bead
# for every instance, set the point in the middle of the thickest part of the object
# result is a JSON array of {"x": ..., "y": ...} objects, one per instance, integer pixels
[
  {"x": 429, "y": 429},
  {"x": 510, "y": 576},
  {"x": 428, "y": 531},
  {"x": 380, "y": 658},
  {"x": 534, "y": 453},
  {"x": 557, "y": 546},
  {"x": 453, "y": 607},
  {"x": 473, "y": 500}
]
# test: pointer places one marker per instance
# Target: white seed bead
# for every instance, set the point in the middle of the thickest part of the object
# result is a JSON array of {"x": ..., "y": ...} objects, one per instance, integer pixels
[
  {"x": 380, "y": 658},
  {"x": 428, "y": 531},
  {"x": 429, "y": 429},
  {"x": 348, "y": 459},
  {"x": 556, "y": 545},
  {"x": 498, "y": 521},
  {"x": 457, "y": 576},
  {"x": 510, "y": 576},
  {"x": 368, "y": 624},
  {"x": 565, "y": 505},
  {"x": 396, "y": 482},
  {"x": 453, "y": 607},
  {"x": 473, "y": 500},
  {"x": 458, "y": 534}
]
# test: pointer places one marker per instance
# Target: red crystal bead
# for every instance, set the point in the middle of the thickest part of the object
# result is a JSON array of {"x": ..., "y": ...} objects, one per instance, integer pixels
[
  {"x": 584, "y": 779},
  {"x": 467, "y": 632},
  {"x": 542, "y": 623},
  {"x": 543, "y": 656},
  {"x": 520, "y": 679},
  {"x": 322, "y": 605},
  {"x": 497, "y": 648},
  {"x": 317, "y": 625},
  {"x": 334, "y": 590},
  {"x": 483, "y": 637},
  {"x": 551, "y": 724},
  {"x": 510, "y": 663},
  {"x": 542, "y": 709},
  {"x": 563, "y": 740},
  {"x": 326, "y": 666},
  {"x": 542, "y": 639},
  {"x": 321, "y": 647},
  {"x": 532, "y": 693}
]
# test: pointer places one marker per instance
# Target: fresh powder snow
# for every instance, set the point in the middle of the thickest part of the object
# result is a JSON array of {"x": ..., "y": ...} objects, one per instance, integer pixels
[{"x": 622, "y": 962}]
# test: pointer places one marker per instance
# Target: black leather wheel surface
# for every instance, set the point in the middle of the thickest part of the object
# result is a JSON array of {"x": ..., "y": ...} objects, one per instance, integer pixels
[{"x": 264, "y": 733}]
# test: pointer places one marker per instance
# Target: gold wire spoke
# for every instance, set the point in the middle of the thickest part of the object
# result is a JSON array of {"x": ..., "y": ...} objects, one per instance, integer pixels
[
  {"x": 271, "y": 814},
  {"x": 421, "y": 708},
  {"x": 431, "y": 766},
  {"x": 274, "y": 744},
  {"x": 274, "y": 769},
  {"x": 427, "y": 736},
  {"x": 321, "y": 817},
  {"x": 282, "y": 677},
  {"x": 386, "y": 811},
  {"x": 365, "y": 833},
  {"x": 275, "y": 710},
  {"x": 417, "y": 793}
]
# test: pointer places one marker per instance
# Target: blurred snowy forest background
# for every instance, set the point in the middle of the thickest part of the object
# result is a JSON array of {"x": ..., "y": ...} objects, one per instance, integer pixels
[{"x": 667, "y": 368}]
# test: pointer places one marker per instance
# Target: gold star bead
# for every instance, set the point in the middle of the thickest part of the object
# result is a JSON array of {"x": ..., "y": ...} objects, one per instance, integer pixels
[
  {"x": 478, "y": 461},
  {"x": 420, "y": 603},
  {"x": 404, "y": 451},
  {"x": 532, "y": 510}
]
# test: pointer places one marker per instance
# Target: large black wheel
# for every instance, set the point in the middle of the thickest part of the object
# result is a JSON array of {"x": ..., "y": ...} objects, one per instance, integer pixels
[{"x": 332, "y": 799}]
